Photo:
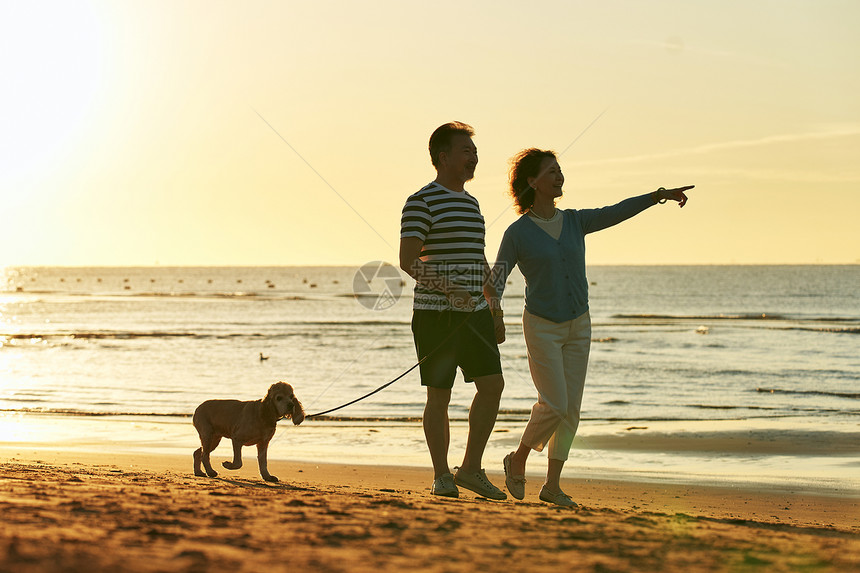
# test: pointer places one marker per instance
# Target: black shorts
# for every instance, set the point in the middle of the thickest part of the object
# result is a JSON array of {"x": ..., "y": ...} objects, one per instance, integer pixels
[{"x": 472, "y": 346}]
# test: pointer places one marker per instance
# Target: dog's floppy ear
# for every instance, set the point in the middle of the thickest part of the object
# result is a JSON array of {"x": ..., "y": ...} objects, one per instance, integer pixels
[{"x": 298, "y": 413}]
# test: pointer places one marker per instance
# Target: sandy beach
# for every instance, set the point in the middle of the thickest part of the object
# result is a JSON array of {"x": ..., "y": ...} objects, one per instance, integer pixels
[{"x": 72, "y": 511}]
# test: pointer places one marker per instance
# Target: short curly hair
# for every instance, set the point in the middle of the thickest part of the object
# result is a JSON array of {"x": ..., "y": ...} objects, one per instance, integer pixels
[
  {"x": 441, "y": 139},
  {"x": 526, "y": 164}
]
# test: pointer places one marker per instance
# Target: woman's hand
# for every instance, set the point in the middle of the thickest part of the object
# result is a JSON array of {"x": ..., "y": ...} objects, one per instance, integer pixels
[{"x": 662, "y": 194}]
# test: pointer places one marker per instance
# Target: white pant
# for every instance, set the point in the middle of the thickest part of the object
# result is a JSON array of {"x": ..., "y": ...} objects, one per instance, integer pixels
[{"x": 558, "y": 361}]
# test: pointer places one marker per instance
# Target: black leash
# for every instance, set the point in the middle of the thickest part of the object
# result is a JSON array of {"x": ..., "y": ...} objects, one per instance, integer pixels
[
  {"x": 383, "y": 387},
  {"x": 387, "y": 384}
]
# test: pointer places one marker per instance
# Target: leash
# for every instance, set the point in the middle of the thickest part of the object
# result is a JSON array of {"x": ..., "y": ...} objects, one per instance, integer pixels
[
  {"x": 381, "y": 388},
  {"x": 387, "y": 384}
]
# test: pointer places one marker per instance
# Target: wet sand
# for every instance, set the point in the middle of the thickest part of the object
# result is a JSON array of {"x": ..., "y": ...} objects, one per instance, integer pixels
[
  {"x": 776, "y": 453},
  {"x": 70, "y": 511}
]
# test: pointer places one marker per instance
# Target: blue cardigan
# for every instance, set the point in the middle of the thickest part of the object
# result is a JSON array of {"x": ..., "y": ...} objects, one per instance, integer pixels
[{"x": 556, "y": 286}]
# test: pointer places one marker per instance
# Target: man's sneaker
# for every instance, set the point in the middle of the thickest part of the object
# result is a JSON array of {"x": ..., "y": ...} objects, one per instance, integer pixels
[
  {"x": 478, "y": 483},
  {"x": 515, "y": 484},
  {"x": 444, "y": 486},
  {"x": 559, "y": 498}
]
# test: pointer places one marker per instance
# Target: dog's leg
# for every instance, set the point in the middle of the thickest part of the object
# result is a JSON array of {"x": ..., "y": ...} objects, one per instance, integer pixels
[
  {"x": 209, "y": 445},
  {"x": 237, "y": 456},
  {"x": 198, "y": 458},
  {"x": 262, "y": 461}
]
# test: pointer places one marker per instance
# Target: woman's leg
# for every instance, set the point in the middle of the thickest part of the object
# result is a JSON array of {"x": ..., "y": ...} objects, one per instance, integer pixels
[
  {"x": 553, "y": 475},
  {"x": 575, "y": 351},
  {"x": 518, "y": 460},
  {"x": 544, "y": 340}
]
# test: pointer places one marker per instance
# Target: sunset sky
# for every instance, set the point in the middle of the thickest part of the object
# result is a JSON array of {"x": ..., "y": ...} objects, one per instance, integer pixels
[{"x": 290, "y": 133}]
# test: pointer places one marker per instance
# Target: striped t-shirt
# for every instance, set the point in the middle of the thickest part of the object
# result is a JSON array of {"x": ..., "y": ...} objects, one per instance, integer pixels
[{"x": 452, "y": 228}]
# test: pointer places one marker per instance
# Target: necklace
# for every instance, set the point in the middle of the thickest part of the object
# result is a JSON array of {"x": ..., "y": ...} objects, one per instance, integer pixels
[{"x": 550, "y": 218}]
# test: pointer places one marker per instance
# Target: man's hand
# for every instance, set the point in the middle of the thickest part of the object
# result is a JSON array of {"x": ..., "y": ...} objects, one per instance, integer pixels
[
  {"x": 499, "y": 323},
  {"x": 460, "y": 299}
]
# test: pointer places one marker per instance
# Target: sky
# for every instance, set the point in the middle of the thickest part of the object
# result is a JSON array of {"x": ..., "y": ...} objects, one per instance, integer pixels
[{"x": 154, "y": 132}]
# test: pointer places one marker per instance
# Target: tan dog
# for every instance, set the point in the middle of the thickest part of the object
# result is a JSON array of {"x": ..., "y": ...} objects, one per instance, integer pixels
[{"x": 246, "y": 423}]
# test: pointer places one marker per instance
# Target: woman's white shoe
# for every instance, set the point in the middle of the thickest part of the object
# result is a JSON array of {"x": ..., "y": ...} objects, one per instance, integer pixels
[
  {"x": 559, "y": 498},
  {"x": 515, "y": 484}
]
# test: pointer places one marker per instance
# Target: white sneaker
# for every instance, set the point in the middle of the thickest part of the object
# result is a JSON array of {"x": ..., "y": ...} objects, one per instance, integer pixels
[
  {"x": 444, "y": 485},
  {"x": 478, "y": 483}
]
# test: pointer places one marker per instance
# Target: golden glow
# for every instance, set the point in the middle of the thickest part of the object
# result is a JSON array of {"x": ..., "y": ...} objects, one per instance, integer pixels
[{"x": 132, "y": 134}]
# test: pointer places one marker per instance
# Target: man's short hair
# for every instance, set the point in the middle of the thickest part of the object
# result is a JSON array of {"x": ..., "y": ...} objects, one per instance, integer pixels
[{"x": 441, "y": 139}]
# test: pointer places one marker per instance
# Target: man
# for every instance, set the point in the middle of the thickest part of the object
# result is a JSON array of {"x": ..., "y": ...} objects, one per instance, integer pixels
[{"x": 442, "y": 248}]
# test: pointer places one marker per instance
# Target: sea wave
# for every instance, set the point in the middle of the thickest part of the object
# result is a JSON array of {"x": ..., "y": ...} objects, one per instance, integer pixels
[
  {"x": 131, "y": 294},
  {"x": 186, "y": 415},
  {"x": 509, "y": 415},
  {"x": 823, "y": 324},
  {"x": 93, "y": 335},
  {"x": 131, "y": 335},
  {"x": 846, "y": 330},
  {"x": 848, "y": 395},
  {"x": 92, "y": 413},
  {"x": 736, "y": 316}
]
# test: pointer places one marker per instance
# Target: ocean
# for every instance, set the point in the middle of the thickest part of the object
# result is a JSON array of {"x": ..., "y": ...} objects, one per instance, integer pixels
[{"x": 678, "y": 351}]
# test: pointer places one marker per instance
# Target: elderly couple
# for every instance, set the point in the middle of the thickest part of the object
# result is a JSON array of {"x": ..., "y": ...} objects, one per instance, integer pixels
[{"x": 457, "y": 316}]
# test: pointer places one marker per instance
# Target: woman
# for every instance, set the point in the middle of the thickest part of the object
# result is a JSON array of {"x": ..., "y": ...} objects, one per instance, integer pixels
[{"x": 548, "y": 245}]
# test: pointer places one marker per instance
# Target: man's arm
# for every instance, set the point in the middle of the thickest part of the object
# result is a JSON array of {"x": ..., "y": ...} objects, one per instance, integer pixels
[
  {"x": 411, "y": 263},
  {"x": 410, "y": 252}
]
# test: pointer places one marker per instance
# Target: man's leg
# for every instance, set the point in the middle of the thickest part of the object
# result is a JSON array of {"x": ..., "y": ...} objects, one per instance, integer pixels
[
  {"x": 436, "y": 428},
  {"x": 482, "y": 418}
]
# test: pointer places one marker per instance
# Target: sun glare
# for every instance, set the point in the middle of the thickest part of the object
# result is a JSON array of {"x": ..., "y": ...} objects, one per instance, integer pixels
[{"x": 51, "y": 65}]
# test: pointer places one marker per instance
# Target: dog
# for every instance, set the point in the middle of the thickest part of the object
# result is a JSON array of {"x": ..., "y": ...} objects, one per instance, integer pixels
[{"x": 246, "y": 423}]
